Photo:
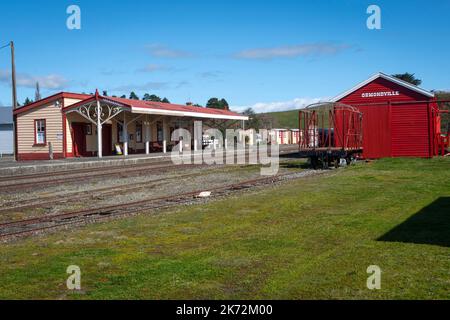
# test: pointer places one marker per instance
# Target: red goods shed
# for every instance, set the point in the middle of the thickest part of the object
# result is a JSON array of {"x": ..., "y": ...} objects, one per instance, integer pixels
[{"x": 399, "y": 119}]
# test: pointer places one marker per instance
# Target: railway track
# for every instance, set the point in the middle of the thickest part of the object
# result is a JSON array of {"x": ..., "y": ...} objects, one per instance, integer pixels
[
  {"x": 68, "y": 177},
  {"x": 75, "y": 171},
  {"x": 13, "y": 229},
  {"x": 57, "y": 177},
  {"x": 50, "y": 200}
]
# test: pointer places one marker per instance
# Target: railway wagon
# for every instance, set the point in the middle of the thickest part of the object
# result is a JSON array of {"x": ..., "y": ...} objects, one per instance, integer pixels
[{"x": 330, "y": 132}]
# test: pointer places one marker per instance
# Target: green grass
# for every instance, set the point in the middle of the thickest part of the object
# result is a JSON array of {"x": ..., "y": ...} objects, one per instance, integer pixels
[
  {"x": 289, "y": 119},
  {"x": 307, "y": 239},
  {"x": 284, "y": 119}
]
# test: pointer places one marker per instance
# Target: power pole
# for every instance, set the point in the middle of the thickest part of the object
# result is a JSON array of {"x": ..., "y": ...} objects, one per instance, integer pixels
[
  {"x": 13, "y": 75},
  {"x": 14, "y": 99}
]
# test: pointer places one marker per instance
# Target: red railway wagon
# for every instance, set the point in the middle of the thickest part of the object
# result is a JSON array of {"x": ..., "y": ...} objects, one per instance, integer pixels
[
  {"x": 330, "y": 131},
  {"x": 399, "y": 119}
]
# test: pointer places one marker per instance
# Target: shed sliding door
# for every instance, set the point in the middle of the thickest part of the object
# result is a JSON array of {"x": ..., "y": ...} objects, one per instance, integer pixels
[{"x": 410, "y": 130}]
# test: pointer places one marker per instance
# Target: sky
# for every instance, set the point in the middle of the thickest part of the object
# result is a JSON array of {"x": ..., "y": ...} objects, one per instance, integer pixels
[{"x": 269, "y": 55}]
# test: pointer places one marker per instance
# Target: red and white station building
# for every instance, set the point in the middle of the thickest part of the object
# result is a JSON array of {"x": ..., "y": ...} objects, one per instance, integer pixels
[{"x": 67, "y": 125}]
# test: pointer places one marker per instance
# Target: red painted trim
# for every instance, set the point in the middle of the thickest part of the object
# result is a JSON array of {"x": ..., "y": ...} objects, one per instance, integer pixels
[
  {"x": 64, "y": 126},
  {"x": 430, "y": 131},
  {"x": 16, "y": 148},
  {"x": 390, "y": 127},
  {"x": 51, "y": 98},
  {"x": 45, "y": 133},
  {"x": 38, "y": 156},
  {"x": 92, "y": 99}
]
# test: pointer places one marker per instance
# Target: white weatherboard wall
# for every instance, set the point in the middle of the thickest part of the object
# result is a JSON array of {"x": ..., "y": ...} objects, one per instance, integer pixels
[{"x": 6, "y": 142}]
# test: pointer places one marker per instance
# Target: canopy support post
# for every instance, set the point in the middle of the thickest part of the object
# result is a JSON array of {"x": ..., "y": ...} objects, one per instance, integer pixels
[
  {"x": 125, "y": 135},
  {"x": 164, "y": 135},
  {"x": 99, "y": 129},
  {"x": 147, "y": 135}
]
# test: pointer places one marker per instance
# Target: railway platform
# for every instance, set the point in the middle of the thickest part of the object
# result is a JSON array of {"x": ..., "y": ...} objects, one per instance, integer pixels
[{"x": 9, "y": 167}]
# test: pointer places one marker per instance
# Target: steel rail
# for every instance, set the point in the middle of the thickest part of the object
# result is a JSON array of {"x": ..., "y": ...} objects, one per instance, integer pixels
[
  {"x": 58, "y": 220},
  {"x": 12, "y": 206}
]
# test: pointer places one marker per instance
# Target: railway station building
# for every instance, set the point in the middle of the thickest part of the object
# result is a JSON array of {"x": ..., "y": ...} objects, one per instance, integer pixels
[{"x": 67, "y": 125}]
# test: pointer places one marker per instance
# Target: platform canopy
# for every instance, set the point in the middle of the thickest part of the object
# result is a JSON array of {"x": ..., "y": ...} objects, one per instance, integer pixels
[
  {"x": 112, "y": 106},
  {"x": 99, "y": 110}
]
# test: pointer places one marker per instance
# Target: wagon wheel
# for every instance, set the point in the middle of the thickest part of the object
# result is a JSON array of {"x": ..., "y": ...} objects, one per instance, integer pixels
[
  {"x": 314, "y": 162},
  {"x": 348, "y": 159},
  {"x": 336, "y": 163}
]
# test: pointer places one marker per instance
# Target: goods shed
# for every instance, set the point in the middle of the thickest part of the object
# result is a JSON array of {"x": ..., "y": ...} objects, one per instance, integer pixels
[
  {"x": 399, "y": 119},
  {"x": 67, "y": 125}
]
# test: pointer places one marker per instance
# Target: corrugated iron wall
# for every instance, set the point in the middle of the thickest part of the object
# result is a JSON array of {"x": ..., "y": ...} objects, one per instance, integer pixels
[
  {"x": 410, "y": 127},
  {"x": 401, "y": 125}
]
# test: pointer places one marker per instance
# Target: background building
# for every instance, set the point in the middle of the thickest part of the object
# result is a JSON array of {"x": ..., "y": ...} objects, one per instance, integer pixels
[{"x": 6, "y": 131}]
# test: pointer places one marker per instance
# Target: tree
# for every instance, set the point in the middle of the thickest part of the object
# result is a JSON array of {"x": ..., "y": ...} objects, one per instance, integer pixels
[
  {"x": 445, "y": 117},
  {"x": 408, "y": 77},
  {"x": 165, "y": 100},
  {"x": 151, "y": 97},
  {"x": 213, "y": 103},
  {"x": 133, "y": 96},
  {"x": 254, "y": 121},
  {"x": 27, "y": 101},
  {"x": 123, "y": 96},
  {"x": 217, "y": 104},
  {"x": 37, "y": 93},
  {"x": 105, "y": 93},
  {"x": 224, "y": 104}
]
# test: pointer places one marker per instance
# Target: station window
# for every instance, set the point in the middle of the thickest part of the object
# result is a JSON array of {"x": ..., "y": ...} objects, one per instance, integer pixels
[
  {"x": 159, "y": 131},
  {"x": 138, "y": 132},
  {"x": 119, "y": 132},
  {"x": 40, "y": 131}
]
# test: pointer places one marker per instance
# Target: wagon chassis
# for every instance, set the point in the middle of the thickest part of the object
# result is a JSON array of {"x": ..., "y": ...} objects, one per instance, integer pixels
[{"x": 328, "y": 157}]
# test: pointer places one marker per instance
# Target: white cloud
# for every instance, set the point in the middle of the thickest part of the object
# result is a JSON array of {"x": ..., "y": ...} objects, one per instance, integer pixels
[
  {"x": 210, "y": 74},
  {"x": 182, "y": 84},
  {"x": 51, "y": 81},
  {"x": 110, "y": 72},
  {"x": 262, "y": 107},
  {"x": 163, "y": 51},
  {"x": 154, "y": 68},
  {"x": 311, "y": 49}
]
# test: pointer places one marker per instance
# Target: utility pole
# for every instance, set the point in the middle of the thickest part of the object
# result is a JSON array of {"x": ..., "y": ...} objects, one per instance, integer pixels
[
  {"x": 13, "y": 75},
  {"x": 14, "y": 99}
]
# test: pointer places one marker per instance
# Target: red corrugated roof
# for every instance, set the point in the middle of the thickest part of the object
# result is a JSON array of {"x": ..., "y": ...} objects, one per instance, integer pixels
[
  {"x": 51, "y": 98},
  {"x": 171, "y": 106},
  {"x": 130, "y": 103}
]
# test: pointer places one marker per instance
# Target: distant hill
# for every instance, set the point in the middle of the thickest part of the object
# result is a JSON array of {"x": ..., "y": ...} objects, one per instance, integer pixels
[{"x": 281, "y": 119}]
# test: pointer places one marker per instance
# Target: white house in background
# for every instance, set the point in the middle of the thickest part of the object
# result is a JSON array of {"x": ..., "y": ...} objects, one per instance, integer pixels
[
  {"x": 6, "y": 131},
  {"x": 295, "y": 136},
  {"x": 280, "y": 136}
]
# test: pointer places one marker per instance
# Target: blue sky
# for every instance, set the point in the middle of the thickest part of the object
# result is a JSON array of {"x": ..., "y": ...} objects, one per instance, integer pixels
[{"x": 271, "y": 55}]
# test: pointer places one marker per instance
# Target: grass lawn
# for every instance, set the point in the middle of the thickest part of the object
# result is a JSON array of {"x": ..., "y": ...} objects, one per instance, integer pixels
[
  {"x": 289, "y": 119},
  {"x": 307, "y": 239},
  {"x": 285, "y": 119}
]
